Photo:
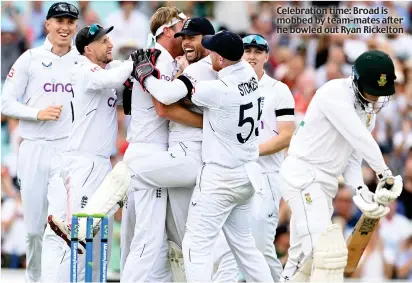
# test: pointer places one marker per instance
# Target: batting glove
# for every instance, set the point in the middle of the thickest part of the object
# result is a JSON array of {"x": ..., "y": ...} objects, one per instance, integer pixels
[
  {"x": 365, "y": 201},
  {"x": 386, "y": 195}
]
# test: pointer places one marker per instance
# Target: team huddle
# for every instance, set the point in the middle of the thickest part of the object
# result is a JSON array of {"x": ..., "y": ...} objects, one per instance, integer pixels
[{"x": 205, "y": 169}]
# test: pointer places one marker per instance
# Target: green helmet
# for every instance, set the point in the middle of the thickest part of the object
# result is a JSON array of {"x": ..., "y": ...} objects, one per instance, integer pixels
[{"x": 374, "y": 73}]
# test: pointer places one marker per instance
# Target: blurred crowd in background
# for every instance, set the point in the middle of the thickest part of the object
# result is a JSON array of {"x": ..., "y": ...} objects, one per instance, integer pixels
[{"x": 303, "y": 61}]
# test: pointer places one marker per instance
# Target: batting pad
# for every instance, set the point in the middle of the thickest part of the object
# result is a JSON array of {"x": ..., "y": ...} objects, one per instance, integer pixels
[
  {"x": 330, "y": 256},
  {"x": 176, "y": 262},
  {"x": 111, "y": 191},
  {"x": 303, "y": 274}
]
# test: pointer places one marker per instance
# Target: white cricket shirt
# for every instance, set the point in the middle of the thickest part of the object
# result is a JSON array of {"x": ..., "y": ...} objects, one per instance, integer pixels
[
  {"x": 278, "y": 106},
  {"x": 199, "y": 71},
  {"x": 176, "y": 90},
  {"x": 94, "y": 110},
  {"x": 145, "y": 125},
  {"x": 37, "y": 80},
  {"x": 232, "y": 108},
  {"x": 335, "y": 134}
]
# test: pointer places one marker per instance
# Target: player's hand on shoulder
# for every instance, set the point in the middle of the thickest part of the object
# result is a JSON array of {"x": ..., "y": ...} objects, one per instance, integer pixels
[
  {"x": 365, "y": 200},
  {"x": 51, "y": 113}
]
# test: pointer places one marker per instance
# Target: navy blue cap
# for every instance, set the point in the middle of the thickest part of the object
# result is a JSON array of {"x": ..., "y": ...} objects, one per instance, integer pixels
[
  {"x": 196, "y": 26},
  {"x": 89, "y": 34},
  {"x": 62, "y": 9},
  {"x": 227, "y": 44}
]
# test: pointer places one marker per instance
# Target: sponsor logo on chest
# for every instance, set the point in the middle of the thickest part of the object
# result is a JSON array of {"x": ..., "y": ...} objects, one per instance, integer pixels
[{"x": 57, "y": 87}]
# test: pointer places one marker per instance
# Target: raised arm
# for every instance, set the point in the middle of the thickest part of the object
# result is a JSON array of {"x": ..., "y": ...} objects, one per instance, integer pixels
[
  {"x": 166, "y": 92},
  {"x": 99, "y": 78}
]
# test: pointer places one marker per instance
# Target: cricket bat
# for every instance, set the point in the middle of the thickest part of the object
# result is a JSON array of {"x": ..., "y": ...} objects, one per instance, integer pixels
[{"x": 360, "y": 237}]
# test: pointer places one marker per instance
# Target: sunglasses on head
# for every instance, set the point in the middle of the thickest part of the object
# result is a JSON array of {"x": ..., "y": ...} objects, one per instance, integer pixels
[
  {"x": 256, "y": 39},
  {"x": 93, "y": 29},
  {"x": 65, "y": 7}
]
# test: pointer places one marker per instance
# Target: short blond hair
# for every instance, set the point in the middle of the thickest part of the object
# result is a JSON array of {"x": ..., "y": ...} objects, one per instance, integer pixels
[{"x": 162, "y": 16}]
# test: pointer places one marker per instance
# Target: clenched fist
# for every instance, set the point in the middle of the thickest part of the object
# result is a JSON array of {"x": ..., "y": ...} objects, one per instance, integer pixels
[{"x": 51, "y": 113}]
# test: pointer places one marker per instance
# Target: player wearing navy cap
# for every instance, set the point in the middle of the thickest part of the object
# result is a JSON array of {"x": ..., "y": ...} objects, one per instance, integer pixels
[
  {"x": 230, "y": 176},
  {"x": 37, "y": 91}
]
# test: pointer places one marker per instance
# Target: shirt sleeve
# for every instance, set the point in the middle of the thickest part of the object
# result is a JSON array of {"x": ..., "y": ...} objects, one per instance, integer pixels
[
  {"x": 285, "y": 103},
  {"x": 15, "y": 87},
  {"x": 99, "y": 78},
  {"x": 164, "y": 91},
  {"x": 342, "y": 115},
  {"x": 119, "y": 89},
  {"x": 168, "y": 92},
  {"x": 353, "y": 171},
  {"x": 209, "y": 94}
]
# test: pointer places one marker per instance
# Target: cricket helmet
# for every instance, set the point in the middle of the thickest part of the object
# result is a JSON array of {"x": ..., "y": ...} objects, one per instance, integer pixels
[{"x": 374, "y": 74}]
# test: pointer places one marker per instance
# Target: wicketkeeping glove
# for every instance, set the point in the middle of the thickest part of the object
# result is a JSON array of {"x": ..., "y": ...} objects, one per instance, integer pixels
[
  {"x": 153, "y": 54},
  {"x": 142, "y": 67},
  {"x": 365, "y": 201}
]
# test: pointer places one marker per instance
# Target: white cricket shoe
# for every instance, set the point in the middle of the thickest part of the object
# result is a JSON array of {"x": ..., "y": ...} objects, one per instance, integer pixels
[{"x": 63, "y": 230}]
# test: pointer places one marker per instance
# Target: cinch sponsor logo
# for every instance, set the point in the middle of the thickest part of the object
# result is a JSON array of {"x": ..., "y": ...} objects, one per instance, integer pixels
[
  {"x": 164, "y": 77},
  {"x": 58, "y": 87},
  {"x": 111, "y": 102}
]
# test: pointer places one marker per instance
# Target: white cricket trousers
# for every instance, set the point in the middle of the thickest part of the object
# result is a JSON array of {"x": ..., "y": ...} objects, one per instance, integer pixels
[
  {"x": 265, "y": 219},
  {"x": 143, "y": 240},
  {"x": 175, "y": 170},
  {"x": 82, "y": 174},
  {"x": 43, "y": 193},
  {"x": 309, "y": 193},
  {"x": 222, "y": 199}
]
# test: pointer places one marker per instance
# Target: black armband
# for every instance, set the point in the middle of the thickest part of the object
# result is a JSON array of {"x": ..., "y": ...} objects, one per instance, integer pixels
[
  {"x": 188, "y": 85},
  {"x": 127, "y": 97}
]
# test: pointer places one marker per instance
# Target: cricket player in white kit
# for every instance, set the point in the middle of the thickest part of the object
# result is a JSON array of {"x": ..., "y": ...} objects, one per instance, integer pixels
[
  {"x": 161, "y": 170},
  {"x": 38, "y": 91},
  {"x": 200, "y": 69},
  {"x": 332, "y": 140},
  {"x": 224, "y": 190},
  {"x": 275, "y": 131},
  {"x": 148, "y": 135},
  {"x": 86, "y": 161}
]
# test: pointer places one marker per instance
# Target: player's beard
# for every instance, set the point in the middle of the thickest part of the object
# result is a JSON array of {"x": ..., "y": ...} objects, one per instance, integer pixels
[
  {"x": 193, "y": 57},
  {"x": 105, "y": 59},
  {"x": 197, "y": 54}
]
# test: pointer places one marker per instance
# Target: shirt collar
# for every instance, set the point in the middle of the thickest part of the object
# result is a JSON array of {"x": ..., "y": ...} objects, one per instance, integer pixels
[
  {"x": 264, "y": 80},
  {"x": 48, "y": 45},
  {"x": 230, "y": 69}
]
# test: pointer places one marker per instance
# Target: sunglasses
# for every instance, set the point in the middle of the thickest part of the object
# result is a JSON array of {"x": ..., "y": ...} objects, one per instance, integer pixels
[
  {"x": 257, "y": 40},
  {"x": 93, "y": 29},
  {"x": 65, "y": 7}
]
